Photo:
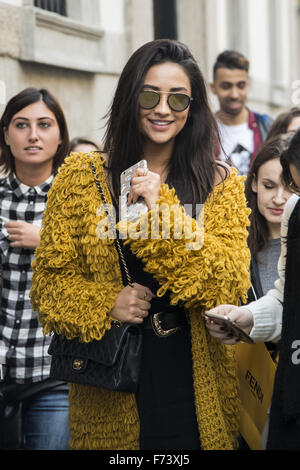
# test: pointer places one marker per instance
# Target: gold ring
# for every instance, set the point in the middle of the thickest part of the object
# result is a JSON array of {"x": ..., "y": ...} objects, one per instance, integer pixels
[{"x": 145, "y": 295}]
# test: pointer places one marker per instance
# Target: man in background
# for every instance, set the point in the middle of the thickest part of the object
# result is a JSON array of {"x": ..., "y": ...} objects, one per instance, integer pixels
[{"x": 242, "y": 130}]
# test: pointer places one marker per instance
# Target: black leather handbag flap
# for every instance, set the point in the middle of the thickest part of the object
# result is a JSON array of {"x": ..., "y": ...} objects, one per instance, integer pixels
[{"x": 104, "y": 351}]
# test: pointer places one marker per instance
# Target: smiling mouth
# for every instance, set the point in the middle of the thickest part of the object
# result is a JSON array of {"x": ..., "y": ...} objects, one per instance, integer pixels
[
  {"x": 234, "y": 104},
  {"x": 160, "y": 123},
  {"x": 33, "y": 148}
]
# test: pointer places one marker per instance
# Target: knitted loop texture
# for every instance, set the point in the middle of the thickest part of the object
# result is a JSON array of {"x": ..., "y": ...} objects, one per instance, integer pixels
[{"x": 77, "y": 278}]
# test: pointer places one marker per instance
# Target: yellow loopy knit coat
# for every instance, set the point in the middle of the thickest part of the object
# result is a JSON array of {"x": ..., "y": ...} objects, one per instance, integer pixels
[{"x": 77, "y": 279}]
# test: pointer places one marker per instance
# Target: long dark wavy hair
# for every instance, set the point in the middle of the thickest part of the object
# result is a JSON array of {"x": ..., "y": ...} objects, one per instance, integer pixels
[
  {"x": 192, "y": 167},
  {"x": 258, "y": 230},
  {"x": 282, "y": 122},
  {"x": 21, "y": 101}
]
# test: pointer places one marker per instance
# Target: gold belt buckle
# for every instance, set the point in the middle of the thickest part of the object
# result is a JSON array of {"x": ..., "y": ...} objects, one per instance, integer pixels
[{"x": 158, "y": 329}]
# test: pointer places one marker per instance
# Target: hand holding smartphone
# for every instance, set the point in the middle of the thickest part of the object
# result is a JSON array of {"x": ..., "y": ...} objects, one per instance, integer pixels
[
  {"x": 230, "y": 326},
  {"x": 133, "y": 211}
]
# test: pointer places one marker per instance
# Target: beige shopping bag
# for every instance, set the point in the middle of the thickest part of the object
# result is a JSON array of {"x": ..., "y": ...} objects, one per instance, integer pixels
[{"x": 256, "y": 373}]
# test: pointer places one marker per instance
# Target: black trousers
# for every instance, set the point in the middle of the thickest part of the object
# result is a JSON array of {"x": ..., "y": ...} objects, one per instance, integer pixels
[{"x": 165, "y": 396}]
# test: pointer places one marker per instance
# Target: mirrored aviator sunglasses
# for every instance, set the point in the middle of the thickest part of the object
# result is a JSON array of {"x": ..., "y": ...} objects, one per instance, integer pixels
[{"x": 176, "y": 101}]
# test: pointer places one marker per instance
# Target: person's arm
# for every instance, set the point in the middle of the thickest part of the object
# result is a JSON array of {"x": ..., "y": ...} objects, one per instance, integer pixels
[
  {"x": 71, "y": 287},
  {"x": 267, "y": 314},
  {"x": 267, "y": 311},
  {"x": 206, "y": 263},
  {"x": 261, "y": 319}
]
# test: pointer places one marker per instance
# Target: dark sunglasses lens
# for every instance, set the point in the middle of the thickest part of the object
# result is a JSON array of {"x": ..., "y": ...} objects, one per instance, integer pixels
[
  {"x": 148, "y": 99},
  {"x": 178, "y": 101}
]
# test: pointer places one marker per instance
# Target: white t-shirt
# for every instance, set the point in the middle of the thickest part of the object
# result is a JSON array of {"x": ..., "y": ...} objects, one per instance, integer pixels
[{"x": 237, "y": 146}]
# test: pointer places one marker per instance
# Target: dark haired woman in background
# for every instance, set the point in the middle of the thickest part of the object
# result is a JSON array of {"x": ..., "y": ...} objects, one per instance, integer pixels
[
  {"x": 33, "y": 144},
  {"x": 187, "y": 396},
  {"x": 84, "y": 144},
  {"x": 276, "y": 315},
  {"x": 266, "y": 196}
]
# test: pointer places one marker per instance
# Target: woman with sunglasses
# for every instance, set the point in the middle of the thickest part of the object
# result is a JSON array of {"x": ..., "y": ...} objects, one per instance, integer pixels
[
  {"x": 187, "y": 394},
  {"x": 34, "y": 141},
  {"x": 276, "y": 315}
]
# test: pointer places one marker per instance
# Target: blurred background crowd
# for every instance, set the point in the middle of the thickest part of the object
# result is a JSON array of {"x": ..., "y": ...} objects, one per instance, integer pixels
[{"x": 77, "y": 48}]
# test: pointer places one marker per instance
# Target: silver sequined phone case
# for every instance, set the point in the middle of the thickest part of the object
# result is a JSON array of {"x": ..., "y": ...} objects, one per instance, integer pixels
[{"x": 133, "y": 211}]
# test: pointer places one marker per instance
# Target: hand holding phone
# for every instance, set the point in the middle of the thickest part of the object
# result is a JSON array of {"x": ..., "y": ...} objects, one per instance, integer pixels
[{"x": 230, "y": 327}]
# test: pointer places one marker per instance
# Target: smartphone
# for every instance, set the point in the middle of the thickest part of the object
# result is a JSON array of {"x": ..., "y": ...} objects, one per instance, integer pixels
[
  {"x": 133, "y": 211},
  {"x": 230, "y": 326}
]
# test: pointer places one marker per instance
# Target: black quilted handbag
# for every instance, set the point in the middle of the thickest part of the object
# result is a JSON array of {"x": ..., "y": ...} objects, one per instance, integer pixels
[{"x": 112, "y": 363}]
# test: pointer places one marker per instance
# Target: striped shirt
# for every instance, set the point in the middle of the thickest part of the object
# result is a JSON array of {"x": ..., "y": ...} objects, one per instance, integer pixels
[{"x": 23, "y": 347}]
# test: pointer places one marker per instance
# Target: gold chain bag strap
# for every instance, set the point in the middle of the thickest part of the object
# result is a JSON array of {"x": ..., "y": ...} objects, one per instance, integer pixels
[
  {"x": 116, "y": 240},
  {"x": 113, "y": 362}
]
